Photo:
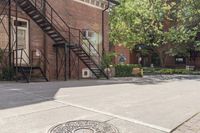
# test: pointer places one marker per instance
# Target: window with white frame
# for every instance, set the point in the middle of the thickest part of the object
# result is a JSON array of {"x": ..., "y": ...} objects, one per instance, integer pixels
[{"x": 93, "y": 37}]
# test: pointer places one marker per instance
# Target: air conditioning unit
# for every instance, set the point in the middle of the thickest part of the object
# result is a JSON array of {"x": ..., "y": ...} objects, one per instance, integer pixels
[
  {"x": 89, "y": 34},
  {"x": 86, "y": 73}
]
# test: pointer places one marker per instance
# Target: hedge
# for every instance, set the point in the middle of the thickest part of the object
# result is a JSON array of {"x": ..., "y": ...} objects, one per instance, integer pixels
[
  {"x": 125, "y": 70},
  {"x": 168, "y": 71}
]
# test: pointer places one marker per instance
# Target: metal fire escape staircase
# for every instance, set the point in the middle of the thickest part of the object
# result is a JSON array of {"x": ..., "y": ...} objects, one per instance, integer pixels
[
  {"x": 62, "y": 34},
  {"x": 25, "y": 67}
]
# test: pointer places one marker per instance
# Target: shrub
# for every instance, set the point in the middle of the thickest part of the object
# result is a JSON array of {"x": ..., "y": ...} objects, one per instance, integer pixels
[
  {"x": 149, "y": 70},
  {"x": 7, "y": 73},
  {"x": 166, "y": 71},
  {"x": 107, "y": 59},
  {"x": 181, "y": 71},
  {"x": 125, "y": 70}
]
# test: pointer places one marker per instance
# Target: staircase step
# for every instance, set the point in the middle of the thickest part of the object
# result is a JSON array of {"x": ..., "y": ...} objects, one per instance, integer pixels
[
  {"x": 53, "y": 34},
  {"x": 57, "y": 38},
  {"x": 36, "y": 16},
  {"x": 83, "y": 56},
  {"x": 22, "y": 2},
  {"x": 60, "y": 42},
  {"x": 33, "y": 12},
  {"x": 46, "y": 26},
  {"x": 28, "y": 8},
  {"x": 49, "y": 30}
]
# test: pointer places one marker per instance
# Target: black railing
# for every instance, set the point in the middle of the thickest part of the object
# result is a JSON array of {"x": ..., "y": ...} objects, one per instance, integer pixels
[
  {"x": 39, "y": 59},
  {"x": 73, "y": 36},
  {"x": 23, "y": 59},
  {"x": 5, "y": 53}
]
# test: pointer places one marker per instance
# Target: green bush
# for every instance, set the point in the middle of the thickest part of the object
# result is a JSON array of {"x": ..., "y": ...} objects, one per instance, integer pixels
[
  {"x": 166, "y": 71},
  {"x": 149, "y": 70},
  {"x": 181, "y": 71},
  {"x": 107, "y": 59},
  {"x": 8, "y": 73},
  {"x": 125, "y": 70}
]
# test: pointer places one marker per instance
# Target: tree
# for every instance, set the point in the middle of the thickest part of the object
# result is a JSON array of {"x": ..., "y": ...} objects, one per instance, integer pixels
[{"x": 168, "y": 26}]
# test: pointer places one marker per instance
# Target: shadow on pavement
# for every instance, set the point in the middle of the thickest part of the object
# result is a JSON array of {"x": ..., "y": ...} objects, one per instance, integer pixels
[{"x": 14, "y": 94}]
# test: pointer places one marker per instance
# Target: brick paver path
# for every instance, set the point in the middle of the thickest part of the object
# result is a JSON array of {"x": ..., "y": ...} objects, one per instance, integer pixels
[{"x": 191, "y": 126}]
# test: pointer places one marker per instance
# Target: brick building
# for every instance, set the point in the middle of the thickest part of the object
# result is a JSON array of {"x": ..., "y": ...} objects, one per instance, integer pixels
[
  {"x": 134, "y": 57},
  {"x": 60, "y": 37}
]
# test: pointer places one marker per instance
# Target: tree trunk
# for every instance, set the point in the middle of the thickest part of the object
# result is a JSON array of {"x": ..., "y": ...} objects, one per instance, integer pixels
[{"x": 162, "y": 59}]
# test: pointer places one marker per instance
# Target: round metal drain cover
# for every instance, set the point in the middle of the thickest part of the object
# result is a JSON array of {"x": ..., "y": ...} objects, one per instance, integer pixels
[{"x": 84, "y": 126}]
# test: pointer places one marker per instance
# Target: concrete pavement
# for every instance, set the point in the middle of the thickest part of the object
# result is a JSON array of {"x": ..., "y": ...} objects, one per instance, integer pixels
[{"x": 150, "y": 105}]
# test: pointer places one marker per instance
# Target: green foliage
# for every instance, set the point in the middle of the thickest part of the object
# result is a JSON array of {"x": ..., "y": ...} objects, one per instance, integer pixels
[
  {"x": 125, "y": 70},
  {"x": 181, "y": 71},
  {"x": 7, "y": 73},
  {"x": 167, "y": 71},
  {"x": 107, "y": 59},
  {"x": 157, "y": 23}
]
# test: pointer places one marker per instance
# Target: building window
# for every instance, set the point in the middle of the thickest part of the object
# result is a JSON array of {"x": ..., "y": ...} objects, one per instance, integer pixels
[
  {"x": 97, "y": 3},
  {"x": 180, "y": 60},
  {"x": 93, "y": 37},
  {"x": 3, "y": 32}
]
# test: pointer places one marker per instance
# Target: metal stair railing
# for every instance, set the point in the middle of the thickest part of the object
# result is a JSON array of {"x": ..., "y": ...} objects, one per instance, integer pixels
[
  {"x": 21, "y": 62},
  {"x": 74, "y": 36},
  {"x": 42, "y": 60}
]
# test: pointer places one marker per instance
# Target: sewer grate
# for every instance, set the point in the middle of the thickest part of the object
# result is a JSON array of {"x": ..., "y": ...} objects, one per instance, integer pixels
[{"x": 84, "y": 126}]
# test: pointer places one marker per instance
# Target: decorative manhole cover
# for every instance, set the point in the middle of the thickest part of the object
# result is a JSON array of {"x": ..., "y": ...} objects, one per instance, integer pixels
[{"x": 84, "y": 126}]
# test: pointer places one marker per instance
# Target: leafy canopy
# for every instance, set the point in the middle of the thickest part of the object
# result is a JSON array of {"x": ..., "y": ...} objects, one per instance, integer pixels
[{"x": 156, "y": 23}]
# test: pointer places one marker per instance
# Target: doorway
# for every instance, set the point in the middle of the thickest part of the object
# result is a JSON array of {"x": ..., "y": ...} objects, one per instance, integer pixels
[{"x": 22, "y": 39}]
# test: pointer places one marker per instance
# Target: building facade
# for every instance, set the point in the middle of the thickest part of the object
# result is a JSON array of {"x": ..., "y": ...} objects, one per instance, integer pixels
[
  {"x": 151, "y": 58},
  {"x": 62, "y": 37}
]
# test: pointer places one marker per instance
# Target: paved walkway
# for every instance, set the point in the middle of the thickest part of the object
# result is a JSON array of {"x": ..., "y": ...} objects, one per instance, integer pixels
[
  {"x": 190, "y": 126},
  {"x": 153, "y": 104}
]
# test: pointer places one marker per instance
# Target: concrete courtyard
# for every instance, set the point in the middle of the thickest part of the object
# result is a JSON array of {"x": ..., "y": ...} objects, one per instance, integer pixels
[{"x": 153, "y": 104}]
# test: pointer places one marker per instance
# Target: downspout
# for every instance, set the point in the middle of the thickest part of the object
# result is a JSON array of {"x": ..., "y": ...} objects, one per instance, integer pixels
[
  {"x": 44, "y": 40},
  {"x": 103, "y": 27},
  {"x": 10, "y": 39}
]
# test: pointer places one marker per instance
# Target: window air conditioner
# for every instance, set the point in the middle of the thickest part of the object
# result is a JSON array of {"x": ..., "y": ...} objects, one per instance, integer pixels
[{"x": 86, "y": 73}]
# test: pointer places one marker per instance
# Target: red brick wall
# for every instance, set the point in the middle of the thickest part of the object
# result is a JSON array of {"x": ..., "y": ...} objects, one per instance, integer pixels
[
  {"x": 76, "y": 15},
  {"x": 80, "y": 16},
  {"x": 126, "y": 52}
]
